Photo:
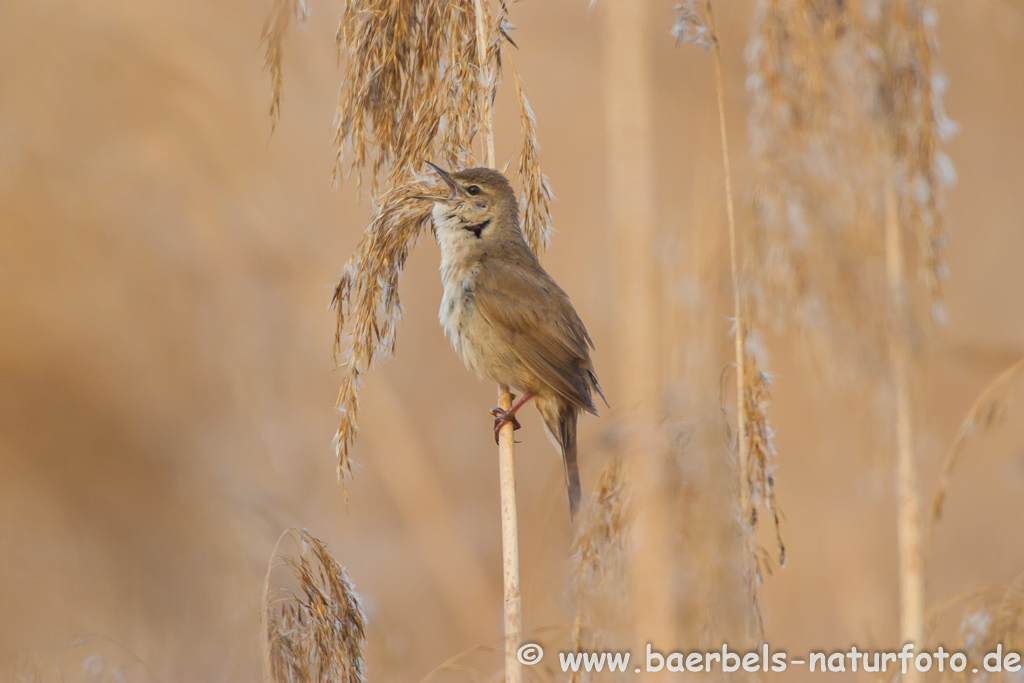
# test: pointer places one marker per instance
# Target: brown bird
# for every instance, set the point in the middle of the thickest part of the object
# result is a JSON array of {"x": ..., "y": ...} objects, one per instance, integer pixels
[{"x": 505, "y": 316}]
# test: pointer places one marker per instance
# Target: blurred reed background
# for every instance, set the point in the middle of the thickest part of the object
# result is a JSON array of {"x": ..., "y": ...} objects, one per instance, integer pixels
[{"x": 166, "y": 371}]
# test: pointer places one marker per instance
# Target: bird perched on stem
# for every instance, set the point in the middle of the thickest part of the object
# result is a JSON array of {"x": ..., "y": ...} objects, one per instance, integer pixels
[{"x": 505, "y": 316}]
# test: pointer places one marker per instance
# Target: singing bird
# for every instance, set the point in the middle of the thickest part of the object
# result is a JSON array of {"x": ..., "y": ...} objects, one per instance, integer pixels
[{"x": 506, "y": 317}]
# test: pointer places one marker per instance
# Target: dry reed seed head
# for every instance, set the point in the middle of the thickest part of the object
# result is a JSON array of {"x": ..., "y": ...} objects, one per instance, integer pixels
[
  {"x": 601, "y": 558},
  {"x": 691, "y": 25},
  {"x": 274, "y": 31},
  {"x": 366, "y": 298},
  {"x": 600, "y": 550},
  {"x": 315, "y": 635},
  {"x": 413, "y": 91},
  {"x": 817, "y": 74},
  {"x": 912, "y": 94},
  {"x": 412, "y": 88},
  {"x": 802, "y": 56},
  {"x": 536, "y": 196},
  {"x": 760, "y": 447}
]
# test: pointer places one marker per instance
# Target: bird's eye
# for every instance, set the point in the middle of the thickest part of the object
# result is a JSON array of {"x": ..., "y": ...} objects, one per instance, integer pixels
[{"x": 473, "y": 190}]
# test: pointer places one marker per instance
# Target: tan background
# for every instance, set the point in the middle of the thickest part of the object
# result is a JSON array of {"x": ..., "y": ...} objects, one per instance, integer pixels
[{"x": 166, "y": 386}]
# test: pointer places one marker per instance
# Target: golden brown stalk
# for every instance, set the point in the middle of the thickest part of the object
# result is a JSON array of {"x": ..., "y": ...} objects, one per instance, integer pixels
[
  {"x": 506, "y": 440},
  {"x": 482, "y": 16},
  {"x": 631, "y": 205},
  {"x": 318, "y": 632},
  {"x": 753, "y": 435},
  {"x": 739, "y": 330},
  {"x": 908, "y": 503},
  {"x": 915, "y": 124}
]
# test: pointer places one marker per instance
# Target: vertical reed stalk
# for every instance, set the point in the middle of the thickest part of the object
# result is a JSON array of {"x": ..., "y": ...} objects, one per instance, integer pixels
[
  {"x": 506, "y": 442},
  {"x": 486, "y": 75},
  {"x": 510, "y": 545},
  {"x": 908, "y": 504},
  {"x": 738, "y": 326},
  {"x": 631, "y": 208}
]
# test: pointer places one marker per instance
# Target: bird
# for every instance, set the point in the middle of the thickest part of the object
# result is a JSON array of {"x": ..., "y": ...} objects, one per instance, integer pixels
[{"x": 506, "y": 317}]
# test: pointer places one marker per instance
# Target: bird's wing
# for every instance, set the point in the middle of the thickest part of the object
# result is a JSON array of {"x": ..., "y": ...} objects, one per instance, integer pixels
[{"x": 532, "y": 314}]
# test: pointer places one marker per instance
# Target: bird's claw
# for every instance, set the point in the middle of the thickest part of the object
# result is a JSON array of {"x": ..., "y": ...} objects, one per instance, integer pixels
[{"x": 501, "y": 418}]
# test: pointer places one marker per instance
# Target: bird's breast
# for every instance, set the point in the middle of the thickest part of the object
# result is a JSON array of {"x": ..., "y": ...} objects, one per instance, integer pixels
[{"x": 456, "y": 303}]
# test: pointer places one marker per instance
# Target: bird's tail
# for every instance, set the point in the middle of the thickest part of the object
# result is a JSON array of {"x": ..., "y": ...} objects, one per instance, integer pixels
[{"x": 560, "y": 423}]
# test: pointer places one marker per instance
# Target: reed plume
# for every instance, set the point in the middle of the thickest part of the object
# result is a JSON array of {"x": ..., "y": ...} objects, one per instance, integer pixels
[
  {"x": 601, "y": 561},
  {"x": 846, "y": 136},
  {"x": 917, "y": 124},
  {"x": 275, "y": 28},
  {"x": 412, "y": 91},
  {"x": 916, "y": 172},
  {"x": 317, "y": 633}
]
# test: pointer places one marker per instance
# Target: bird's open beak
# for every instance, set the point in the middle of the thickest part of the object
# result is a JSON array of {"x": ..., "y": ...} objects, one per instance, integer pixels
[{"x": 454, "y": 191}]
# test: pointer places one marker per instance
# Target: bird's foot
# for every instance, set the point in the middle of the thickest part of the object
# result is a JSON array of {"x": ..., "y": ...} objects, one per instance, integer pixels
[{"x": 502, "y": 418}]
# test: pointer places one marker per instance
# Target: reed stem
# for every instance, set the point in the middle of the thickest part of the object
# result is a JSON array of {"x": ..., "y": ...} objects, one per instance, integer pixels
[
  {"x": 908, "y": 504},
  {"x": 739, "y": 331},
  {"x": 633, "y": 221},
  {"x": 506, "y": 442}
]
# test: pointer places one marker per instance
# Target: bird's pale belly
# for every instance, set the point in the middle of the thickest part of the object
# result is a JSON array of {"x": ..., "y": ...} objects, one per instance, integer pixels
[{"x": 476, "y": 342}]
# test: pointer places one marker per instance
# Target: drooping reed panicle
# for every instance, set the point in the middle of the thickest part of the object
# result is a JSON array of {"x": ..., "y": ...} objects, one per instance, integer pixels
[
  {"x": 274, "y": 31},
  {"x": 917, "y": 124},
  {"x": 814, "y": 70},
  {"x": 411, "y": 93},
  {"x": 988, "y": 410}
]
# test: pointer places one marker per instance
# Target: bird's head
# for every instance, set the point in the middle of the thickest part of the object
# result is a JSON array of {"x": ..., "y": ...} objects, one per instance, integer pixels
[{"x": 480, "y": 204}]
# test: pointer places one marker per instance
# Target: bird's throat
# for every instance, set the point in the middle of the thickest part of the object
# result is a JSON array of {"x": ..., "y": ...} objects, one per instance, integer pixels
[{"x": 477, "y": 229}]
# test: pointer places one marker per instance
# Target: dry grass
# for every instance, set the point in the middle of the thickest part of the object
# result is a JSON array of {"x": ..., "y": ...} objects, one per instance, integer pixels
[
  {"x": 536, "y": 196},
  {"x": 990, "y": 618},
  {"x": 274, "y": 31},
  {"x": 988, "y": 410},
  {"x": 846, "y": 133},
  {"x": 366, "y": 298},
  {"x": 912, "y": 90},
  {"x": 754, "y": 448},
  {"x": 813, "y": 76},
  {"x": 836, "y": 87},
  {"x": 411, "y": 92},
  {"x": 315, "y": 634},
  {"x": 601, "y": 560}
]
